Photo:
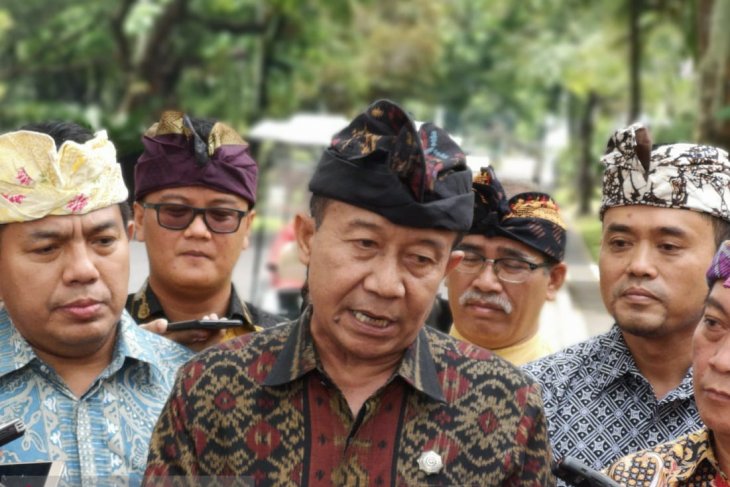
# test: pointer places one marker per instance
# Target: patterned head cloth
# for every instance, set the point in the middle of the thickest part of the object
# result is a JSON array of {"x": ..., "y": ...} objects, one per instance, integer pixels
[
  {"x": 36, "y": 180},
  {"x": 380, "y": 162},
  {"x": 532, "y": 218},
  {"x": 175, "y": 155},
  {"x": 720, "y": 267},
  {"x": 686, "y": 176}
]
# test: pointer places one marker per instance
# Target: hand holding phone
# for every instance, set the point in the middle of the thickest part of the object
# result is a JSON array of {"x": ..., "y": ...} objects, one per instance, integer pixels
[{"x": 203, "y": 324}]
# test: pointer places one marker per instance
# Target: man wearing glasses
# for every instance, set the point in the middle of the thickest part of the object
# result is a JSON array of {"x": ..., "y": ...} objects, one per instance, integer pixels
[
  {"x": 195, "y": 188},
  {"x": 512, "y": 264},
  {"x": 358, "y": 392}
]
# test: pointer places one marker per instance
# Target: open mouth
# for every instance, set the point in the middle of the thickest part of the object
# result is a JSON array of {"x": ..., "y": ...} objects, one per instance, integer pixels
[{"x": 370, "y": 320}]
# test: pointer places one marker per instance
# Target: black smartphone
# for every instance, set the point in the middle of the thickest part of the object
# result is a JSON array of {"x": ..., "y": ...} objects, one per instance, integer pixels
[
  {"x": 12, "y": 430},
  {"x": 203, "y": 324}
]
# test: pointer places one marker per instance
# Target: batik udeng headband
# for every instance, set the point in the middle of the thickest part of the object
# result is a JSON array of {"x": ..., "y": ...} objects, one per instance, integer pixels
[{"x": 686, "y": 176}]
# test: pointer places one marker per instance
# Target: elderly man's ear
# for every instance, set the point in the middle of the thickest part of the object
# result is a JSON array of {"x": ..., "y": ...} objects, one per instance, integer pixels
[
  {"x": 557, "y": 278},
  {"x": 304, "y": 230}
]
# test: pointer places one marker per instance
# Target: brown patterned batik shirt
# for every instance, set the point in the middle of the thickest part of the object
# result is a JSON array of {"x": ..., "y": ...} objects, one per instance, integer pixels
[
  {"x": 688, "y": 461},
  {"x": 261, "y": 407}
]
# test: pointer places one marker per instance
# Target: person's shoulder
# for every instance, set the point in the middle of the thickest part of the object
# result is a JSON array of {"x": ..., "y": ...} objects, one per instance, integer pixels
[
  {"x": 244, "y": 360},
  {"x": 163, "y": 351},
  {"x": 246, "y": 349},
  {"x": 474, "y": 361},
  {"x": 262, "y": 318},
  {"x": 664, "y": 463},
  {"x": 566, "y": 362}
]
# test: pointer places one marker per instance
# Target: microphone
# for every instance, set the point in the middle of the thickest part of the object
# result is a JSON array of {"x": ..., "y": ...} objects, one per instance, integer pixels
[
  {"x": 578, "y": 474},
  {"x": 12, "y": 430}
]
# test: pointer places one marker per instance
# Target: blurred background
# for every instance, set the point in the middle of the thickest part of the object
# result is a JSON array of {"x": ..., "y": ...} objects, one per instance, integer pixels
[{"x": 533, "y": 87}]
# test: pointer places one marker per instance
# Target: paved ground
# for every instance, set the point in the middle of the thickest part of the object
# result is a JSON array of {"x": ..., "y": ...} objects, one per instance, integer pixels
[{"x": 577, "y": 313}]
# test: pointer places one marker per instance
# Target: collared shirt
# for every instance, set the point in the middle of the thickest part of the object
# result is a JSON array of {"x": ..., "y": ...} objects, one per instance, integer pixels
[
  {"x": 102, "y": 435},
  {"x": 687, "y": 461},
  {"x": 531, "y": 349},
  {"x": 599, "y": 407},
  {"x": 262, "y": 406},
  {"x": 144, "y": 306}
]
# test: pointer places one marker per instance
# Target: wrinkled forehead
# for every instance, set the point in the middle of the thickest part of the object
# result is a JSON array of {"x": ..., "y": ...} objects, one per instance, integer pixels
[{"x": 343, "y": 217}]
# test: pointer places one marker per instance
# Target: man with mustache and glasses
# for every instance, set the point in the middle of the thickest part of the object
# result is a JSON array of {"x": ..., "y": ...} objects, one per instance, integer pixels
[
  {"x": 87, "y": 382},
  {"x": 512, "y": 264},
  {"x": 665, "y": 210},
  {"x": 358, "y": 391},
  {"x": 194, "y": 192},
  {"x": 700, "y": 458}
]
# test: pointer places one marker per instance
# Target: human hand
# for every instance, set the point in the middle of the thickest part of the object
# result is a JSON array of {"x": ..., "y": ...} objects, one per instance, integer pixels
[{"x": 195, "y": 339}]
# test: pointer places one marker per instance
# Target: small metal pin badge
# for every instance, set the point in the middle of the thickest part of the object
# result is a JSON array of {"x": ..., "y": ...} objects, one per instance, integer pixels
[{"x": 430, "y": 462}]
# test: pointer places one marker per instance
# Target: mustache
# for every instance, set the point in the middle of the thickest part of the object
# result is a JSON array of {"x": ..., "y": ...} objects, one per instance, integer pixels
[{"x": 495, "y": 299}]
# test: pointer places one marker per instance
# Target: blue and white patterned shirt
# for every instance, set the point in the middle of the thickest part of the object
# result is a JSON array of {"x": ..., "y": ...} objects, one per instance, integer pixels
[
  {"x": 599, "y": 407},
  {"x": 103, "y": 436}
]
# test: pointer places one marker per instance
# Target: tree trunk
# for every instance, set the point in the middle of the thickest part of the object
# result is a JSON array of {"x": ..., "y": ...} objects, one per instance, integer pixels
[
  {"x": 635, "y": 9},
  {"x": 713, "y": 122},
  {"x": 586, "y": 163}
]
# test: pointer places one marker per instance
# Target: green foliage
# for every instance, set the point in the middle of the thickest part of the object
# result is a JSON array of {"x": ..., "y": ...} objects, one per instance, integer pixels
[
  {"x": 589, "y": 227},
  {"x": 494, "y": 69}
]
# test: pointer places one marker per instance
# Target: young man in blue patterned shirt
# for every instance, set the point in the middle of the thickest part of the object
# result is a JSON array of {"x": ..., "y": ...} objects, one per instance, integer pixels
[{"x": 87, "y": 382}]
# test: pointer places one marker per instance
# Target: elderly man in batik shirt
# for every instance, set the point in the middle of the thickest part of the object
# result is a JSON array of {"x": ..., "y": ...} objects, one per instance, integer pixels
[
  {"x": 194, "y": 196},
  {"x": 512, "y": 264},
  {"x": 358, "y": 392},
  {"x": 701, "y": 458},
  {"x": 87, "y": 382},
  {"x": 665, "y": 211}
]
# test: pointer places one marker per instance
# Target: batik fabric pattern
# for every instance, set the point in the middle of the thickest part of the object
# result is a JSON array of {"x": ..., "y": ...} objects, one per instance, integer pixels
[
  {"x": 688, "y": 461},
  {"x": 599, "y": 407},
  {"x": 720, "y": 267},
  {"x": 381, "y": 162},
  {"x": 103, "y": 436},
  {"x": 144, "y": 306},
  {"x": 262, "y": 407},
  {"x": 686, "y": 176},
  {"x": 532, "y": 218}
]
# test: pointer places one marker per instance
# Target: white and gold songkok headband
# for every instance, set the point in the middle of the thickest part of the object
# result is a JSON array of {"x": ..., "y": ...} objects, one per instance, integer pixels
[{"x": 36, "y": 180}]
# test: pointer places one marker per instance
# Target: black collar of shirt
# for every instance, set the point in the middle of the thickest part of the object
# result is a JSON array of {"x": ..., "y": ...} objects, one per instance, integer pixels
[
  {"x": 145, "y": 306},
  {"x": 299, "y": 357}
]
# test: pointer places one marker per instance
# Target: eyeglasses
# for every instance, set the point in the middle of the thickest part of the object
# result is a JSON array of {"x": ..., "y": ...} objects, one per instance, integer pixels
[
  {"x": 174, "y": 216},
  {"x": 508, "y": 269}
]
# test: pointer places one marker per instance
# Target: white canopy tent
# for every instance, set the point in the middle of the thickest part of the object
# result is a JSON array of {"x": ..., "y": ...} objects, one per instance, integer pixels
[{"x": 306, "y": 129}]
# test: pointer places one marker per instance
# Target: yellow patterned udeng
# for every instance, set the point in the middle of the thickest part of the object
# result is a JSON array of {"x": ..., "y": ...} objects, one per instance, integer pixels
[{"x": 36, "y": 180}]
